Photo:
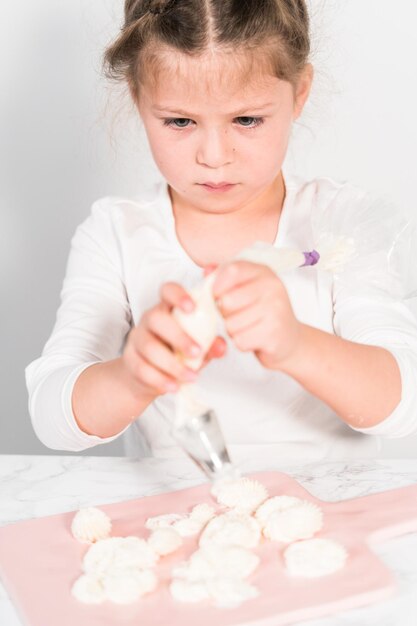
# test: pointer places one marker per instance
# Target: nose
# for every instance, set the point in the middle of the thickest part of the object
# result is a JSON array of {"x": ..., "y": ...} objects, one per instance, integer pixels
[{"x": 214, "y": 149}]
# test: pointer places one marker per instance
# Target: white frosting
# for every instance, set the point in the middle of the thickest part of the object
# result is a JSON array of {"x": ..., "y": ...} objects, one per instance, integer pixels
[
  {"x": 243, "y": 494},
  {"x": 187, "y": 591},
  {"x": 100, "y": 557},
  {"x": 126, "y": 586},
  {"x": 118, "y": 569},
  {"x": 300, "y": 521},
  {"x": 89, "y": 590},
  {"x": 230, "y": 592},
  {"x": 276, "y": 503},
  {"x": 229, "y": 561},
  {"x": 218, "y": 561},
  {"x": 134, "y": 552},
  {"x": 232, "y": 528},
  {"x": 315, "y": 557},
  {"x": 202, "y": 513},
  {"x": 185, "y": 525},
  {"x": 216, "y": 572},
  {"x": 90, "y": 525},
  {"x": 162, "y": 521},
  {"x": 196, "y": 569},
  {"x": 188, "y": 527},
  {"x": 118, "y": 553},
  {"x": 165, "y": 541}
]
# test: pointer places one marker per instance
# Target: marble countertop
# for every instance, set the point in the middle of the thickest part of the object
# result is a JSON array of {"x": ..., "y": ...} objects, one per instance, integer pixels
[{"x": 36, "y": 486}]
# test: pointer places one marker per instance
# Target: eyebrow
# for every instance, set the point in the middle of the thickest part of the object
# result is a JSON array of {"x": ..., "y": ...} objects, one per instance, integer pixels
[{"x": 251, "y": 109}]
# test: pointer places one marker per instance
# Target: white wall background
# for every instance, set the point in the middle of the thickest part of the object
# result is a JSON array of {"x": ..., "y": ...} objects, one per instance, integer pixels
[{"x": 63, "y": 145}]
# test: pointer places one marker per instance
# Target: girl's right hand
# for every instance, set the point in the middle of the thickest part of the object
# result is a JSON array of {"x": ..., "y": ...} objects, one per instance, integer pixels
[{"x": 151, "y": 352}]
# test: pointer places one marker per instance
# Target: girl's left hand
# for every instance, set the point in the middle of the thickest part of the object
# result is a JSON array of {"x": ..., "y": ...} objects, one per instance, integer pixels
[{"x": 257, "y": 312}]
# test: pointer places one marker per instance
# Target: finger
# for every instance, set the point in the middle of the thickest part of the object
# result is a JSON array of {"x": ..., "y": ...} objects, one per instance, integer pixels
[
  {"x": 242, "y": 320},
  {"x": 163, "y": 359},
  {"x": 234, "y": 274},
  {"x": 153, "y": 378},
  {"x": 248, "y": 340},
  {"x": 162, "y": 324},
  {"x": 241, "y": 297},
  {"x": 217, "y": 349},
  {"x": 209, "y": 269},
  {"x": 175, "y": 295}
]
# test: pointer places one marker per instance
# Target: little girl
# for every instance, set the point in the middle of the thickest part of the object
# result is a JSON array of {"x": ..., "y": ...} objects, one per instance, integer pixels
[{"x": 310, "y": 363}]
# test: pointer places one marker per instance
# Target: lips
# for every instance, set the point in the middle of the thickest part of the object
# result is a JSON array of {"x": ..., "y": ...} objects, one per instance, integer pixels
[{"x": 223, "y": 186}]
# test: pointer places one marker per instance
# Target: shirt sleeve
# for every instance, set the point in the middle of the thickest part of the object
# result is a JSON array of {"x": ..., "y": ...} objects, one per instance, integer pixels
[
  {"x": 369, "y": 308},
  {"x": 92, "y": 322}
]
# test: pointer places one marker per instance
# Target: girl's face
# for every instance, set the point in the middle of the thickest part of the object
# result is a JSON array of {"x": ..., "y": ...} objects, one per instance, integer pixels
[{"x": 207, "y": 127}]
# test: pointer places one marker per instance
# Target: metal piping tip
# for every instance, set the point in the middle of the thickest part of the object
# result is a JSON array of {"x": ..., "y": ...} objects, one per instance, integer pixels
[{"x": 201, "y": 437}]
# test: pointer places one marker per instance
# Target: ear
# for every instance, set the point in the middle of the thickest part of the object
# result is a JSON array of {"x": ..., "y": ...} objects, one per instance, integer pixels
[{"x": 302, "y": 89}]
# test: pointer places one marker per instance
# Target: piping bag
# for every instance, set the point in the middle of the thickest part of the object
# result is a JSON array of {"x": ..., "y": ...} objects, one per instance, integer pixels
[{"x": 196, "y": 426}]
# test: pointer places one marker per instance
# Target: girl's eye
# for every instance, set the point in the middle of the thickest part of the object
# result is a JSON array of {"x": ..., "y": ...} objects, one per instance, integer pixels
[
  {"x": 250, "y": 122},
  {"x": 178, "y": 122}
]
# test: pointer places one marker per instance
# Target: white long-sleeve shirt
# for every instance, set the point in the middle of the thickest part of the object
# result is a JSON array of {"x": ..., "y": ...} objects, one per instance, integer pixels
[{"x": 122, "y": 253}]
